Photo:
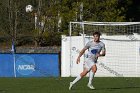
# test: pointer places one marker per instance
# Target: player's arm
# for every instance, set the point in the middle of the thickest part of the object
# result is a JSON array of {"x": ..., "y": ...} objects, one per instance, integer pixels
[
  {"x": 103, "y": 52},
  {"x": 80, "y": 54}
]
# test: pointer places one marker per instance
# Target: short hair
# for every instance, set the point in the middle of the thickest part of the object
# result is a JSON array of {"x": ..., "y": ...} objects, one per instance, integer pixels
[{"x": 97, "y": 33}]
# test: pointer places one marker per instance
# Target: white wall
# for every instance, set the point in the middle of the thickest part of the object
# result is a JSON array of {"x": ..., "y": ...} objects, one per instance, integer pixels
[{"x": 122, "y": 57}]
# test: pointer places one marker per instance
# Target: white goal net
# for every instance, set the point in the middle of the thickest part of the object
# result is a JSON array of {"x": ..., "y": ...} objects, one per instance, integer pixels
[{"x": 122, "y": 40}]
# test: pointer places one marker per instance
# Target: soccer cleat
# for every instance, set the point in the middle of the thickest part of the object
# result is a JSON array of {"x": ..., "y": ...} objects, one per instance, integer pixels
[
  {"x": 90, "y": 86},
  {"x": 70, "y": 85}
]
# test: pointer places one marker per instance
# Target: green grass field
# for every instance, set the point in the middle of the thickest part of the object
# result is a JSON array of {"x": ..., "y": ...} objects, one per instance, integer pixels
[{"x": 60, "y": 85}]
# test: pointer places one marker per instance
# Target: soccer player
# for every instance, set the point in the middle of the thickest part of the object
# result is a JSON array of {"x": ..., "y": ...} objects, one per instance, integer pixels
[{"x": 96, "y": 48}]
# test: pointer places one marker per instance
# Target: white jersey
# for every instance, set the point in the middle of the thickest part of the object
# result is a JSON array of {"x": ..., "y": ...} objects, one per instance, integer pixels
[{"x": 93, "y": 49}]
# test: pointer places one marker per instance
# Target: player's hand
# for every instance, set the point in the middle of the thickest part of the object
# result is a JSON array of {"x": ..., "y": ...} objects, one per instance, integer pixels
[
  {"x": 97, "y": 55},
  {"x": 78, "y": 60}
]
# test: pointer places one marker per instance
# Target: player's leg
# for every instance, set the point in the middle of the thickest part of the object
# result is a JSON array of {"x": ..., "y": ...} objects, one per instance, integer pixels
[
  {"x": 85, "y": 71},
  {"x": 91, "y": 76},
  {"x": 92, "y": 73}
]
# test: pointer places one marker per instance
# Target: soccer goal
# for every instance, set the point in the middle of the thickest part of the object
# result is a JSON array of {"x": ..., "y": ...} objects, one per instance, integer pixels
[{"x": 122, "y": 40}]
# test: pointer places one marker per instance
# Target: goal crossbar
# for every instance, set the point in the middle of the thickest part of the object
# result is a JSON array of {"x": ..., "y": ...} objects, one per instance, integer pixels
[{"x": 104, "y": 23}]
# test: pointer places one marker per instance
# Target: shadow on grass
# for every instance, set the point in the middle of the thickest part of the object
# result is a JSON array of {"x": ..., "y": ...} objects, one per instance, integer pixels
[
  {"x": 3, "y": 91},
  {"x": 117, "y": 88}
]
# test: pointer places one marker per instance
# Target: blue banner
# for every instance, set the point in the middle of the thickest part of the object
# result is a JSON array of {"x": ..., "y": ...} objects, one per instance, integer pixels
[{"x": 29, "y": 65}]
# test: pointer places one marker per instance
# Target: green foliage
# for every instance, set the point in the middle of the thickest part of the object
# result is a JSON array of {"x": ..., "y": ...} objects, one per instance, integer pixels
[
  {"x": 104, "y": 11},
  {"x": 25, "y": 41},
  {"x": 50, "y": 12},
  {"x": 51, "y": 39}
]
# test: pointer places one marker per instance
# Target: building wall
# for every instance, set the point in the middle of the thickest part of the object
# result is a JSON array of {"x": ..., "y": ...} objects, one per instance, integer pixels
[{"x": 122, "y": 56}]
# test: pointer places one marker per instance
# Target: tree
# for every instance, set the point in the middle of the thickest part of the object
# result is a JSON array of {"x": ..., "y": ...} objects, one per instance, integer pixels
[
  {"x": 104, "y": 11},
  {"x": 51, "y": 11}
]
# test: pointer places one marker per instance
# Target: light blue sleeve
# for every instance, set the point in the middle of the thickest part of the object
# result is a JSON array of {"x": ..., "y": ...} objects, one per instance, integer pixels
[
  {"x": 87, "y": 45},
  {"x": 103, "y": 47}
]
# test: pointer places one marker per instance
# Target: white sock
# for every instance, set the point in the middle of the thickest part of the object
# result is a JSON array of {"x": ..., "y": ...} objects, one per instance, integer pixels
[
  {"x": 77, "y": 79},
  {"x": 91, "y": 75}
]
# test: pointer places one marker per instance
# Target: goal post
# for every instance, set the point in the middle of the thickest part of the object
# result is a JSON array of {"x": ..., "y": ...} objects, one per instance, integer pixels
[
  {"x": 122, "y": 40},
  {"x": 106, "y": 27}
]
